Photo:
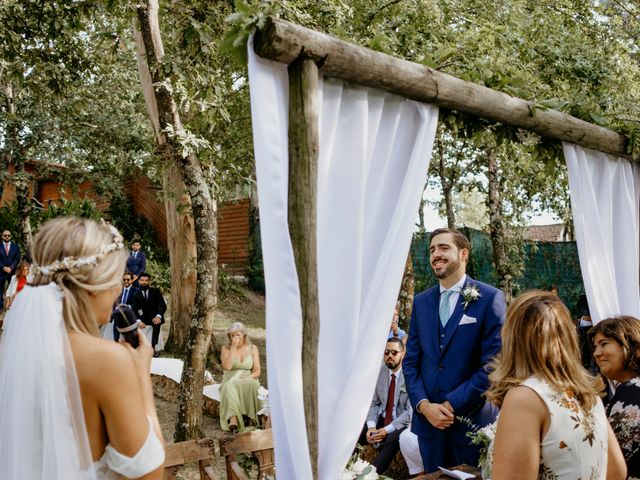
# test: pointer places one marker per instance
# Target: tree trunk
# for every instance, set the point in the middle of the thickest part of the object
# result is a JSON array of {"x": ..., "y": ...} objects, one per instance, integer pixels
[
  {"x": 405, "y": 299},
  {"x": 182, "y": 254},
  {"x": 204, "y": 213},
  {"x": 421, "y": 223},
  {"x": 181, "y": 240},
  {"x": 22, "y": 182},
  {"x": 446, "y": 183},
  {"x": 496, "y": 224},
  {"x": 303, "y": 181}
]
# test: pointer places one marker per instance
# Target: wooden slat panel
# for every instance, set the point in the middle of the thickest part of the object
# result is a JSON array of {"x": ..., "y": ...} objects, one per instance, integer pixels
[{"x": 246, "y": 442}]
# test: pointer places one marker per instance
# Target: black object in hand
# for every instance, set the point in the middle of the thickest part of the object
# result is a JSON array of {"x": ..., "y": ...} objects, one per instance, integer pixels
[{"x": 127, "y": 324}]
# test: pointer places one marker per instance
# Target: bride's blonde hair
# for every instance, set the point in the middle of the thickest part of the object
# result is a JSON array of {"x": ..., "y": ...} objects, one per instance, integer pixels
[
  {"x": 539, "y": 339},
  {"x": 83, "y": 258}
]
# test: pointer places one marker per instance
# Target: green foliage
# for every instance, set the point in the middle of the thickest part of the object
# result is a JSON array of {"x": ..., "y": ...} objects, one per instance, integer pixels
[
  {"x": 10, "y": 215},
  {"x": 137, "y": 227},
  {"x": 255, "y": 269},
  {"x": 226, "y": 286},
  {"x": 160, "y": 272},
  {"x": 248, "y": 463},
  {"x": 247, "y": 17}
]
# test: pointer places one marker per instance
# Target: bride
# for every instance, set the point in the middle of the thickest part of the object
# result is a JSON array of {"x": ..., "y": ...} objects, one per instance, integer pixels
[{"x": 74, "y": 406}]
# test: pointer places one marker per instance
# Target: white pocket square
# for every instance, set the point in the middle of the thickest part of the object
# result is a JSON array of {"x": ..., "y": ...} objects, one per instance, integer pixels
[{"x": 467, "y": 320}]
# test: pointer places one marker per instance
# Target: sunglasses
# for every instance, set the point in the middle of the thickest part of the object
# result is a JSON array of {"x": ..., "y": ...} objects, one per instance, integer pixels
[{"x": 392, "y": 352}]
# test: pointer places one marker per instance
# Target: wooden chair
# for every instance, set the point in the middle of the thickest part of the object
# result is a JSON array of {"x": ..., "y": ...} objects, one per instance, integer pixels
[
  {"x": 177, "y": 454},
  {"x": 258, "y": 443}
]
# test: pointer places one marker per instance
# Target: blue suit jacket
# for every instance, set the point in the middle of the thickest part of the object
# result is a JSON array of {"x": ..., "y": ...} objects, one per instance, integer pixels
[
  {"x": 137, "y": 265},
  {"x": 449, "y": 363},
  {"x": 10, "y": 260},
  {"x": 133, "y": 290}
]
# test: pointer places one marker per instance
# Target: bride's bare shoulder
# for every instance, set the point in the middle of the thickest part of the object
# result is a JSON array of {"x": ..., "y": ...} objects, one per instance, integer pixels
[{"x": 97, "y": 360}]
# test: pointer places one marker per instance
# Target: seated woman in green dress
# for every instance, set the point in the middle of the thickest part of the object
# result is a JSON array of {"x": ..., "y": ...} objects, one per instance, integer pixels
[{"x": 239, "y": 388}]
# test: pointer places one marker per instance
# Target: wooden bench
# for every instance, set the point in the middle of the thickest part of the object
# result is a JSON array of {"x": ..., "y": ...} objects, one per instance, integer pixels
[
  {"x": 258, "y": 443},
  {"x": 177, "y": 454}
]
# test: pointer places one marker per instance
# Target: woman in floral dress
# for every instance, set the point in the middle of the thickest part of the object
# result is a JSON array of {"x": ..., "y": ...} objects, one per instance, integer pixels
[
  {"x": 616, "y": 344},
  {"x": 552, "y": 424}
]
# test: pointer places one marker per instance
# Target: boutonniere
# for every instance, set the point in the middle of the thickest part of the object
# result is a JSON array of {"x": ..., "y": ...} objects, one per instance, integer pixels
[
  {"x": 403, "y": 388},
  {"x": 470, "y": 294}
]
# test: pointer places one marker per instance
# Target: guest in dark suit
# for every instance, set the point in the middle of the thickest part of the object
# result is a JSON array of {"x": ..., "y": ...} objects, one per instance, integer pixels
[
  {"x": 390, "y": 411},
  {"x": 454, "y": 332},
  {"x": 9, "y": 258},
  {"x": 126, "y": 296},
  {"x": 150, "y": 307},
  {"x": 137, "y": 262}
]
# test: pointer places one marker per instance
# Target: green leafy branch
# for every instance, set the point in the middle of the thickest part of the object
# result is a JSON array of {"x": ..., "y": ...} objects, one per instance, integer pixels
[{"x": 249, "y": 16}]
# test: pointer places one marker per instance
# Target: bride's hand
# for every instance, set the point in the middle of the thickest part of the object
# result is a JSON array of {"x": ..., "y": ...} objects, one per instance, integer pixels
[{"x": 142, "y": 355}]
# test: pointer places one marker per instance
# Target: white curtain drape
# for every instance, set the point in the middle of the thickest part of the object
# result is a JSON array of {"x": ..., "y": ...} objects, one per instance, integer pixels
[
  {"x": 605, "y": 202},
  {"x": 374, "y": 155}
]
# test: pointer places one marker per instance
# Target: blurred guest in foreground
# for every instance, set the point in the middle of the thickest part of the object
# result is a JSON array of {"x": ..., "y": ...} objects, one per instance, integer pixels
[
  {"x": 552, "y": 423},
  {"x": 616, "y": 344}
]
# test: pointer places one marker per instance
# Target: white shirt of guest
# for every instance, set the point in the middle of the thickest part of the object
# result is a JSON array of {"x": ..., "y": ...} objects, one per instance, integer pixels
[{"x": 457, "y": 289}]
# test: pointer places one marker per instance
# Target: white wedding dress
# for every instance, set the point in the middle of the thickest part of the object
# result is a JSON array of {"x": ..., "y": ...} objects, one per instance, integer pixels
[
  {"x": 42, "y": 431},
  {"x": 112, "y": 464}
]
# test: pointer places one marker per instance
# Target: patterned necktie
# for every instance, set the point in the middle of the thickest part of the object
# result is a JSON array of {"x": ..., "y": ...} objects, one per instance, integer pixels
[
  {"x": 388, "y": 413},
  {"x": 444, "y": 306},
  {"x": 6, "y": 249}
]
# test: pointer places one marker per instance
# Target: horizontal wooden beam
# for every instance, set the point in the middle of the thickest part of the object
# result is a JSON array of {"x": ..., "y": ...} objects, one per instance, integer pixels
[{"x": 284, "y": 41}]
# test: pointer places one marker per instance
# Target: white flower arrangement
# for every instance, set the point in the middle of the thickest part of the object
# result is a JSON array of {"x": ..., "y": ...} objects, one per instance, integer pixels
[
  {"x": 484, "y": 438},
  {"x": 470, "y": 294},
  {"x": 263, "y": 396},
  {"x": 359, "y": 469}
]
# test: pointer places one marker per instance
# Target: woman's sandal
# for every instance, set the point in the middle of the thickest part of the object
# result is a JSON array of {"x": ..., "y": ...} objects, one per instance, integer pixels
[{"x": 233, "y": 429}]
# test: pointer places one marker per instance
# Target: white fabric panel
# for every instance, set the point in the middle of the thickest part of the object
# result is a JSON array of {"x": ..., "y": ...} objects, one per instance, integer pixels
[
  {"x": 269, "y": 112},
  {"x": 605, "y": 201},
  {"x": 374, "y": 155}
]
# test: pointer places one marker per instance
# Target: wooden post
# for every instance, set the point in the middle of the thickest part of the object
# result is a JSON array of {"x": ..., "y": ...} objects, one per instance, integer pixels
[
  {"x": 303, "y": 179},
  {"x": 283, "y": 41}
]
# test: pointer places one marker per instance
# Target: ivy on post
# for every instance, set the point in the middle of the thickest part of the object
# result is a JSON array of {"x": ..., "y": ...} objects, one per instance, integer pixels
[{"x": 303, "y": 176}]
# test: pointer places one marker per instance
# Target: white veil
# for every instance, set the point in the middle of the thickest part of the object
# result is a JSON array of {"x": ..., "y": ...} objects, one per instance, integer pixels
[{"x": 42, "y": 429}]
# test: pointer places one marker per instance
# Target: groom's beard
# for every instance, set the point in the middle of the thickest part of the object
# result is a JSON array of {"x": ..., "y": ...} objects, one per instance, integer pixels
[{"x": 451, "y": 267}]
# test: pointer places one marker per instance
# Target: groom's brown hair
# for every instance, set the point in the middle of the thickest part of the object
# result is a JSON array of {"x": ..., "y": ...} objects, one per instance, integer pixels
[{"x": 459, "y": 239}]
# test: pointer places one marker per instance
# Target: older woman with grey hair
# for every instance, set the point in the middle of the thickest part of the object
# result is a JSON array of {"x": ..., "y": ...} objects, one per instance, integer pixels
[{"x": 239, "y": 388}]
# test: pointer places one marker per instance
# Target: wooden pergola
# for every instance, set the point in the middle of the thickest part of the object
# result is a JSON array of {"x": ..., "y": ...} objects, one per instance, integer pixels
[{"x": 308, "y": 53}]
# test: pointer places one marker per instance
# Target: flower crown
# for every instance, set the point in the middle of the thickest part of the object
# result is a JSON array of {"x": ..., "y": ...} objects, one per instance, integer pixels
[{"x": 72, "y": 264}]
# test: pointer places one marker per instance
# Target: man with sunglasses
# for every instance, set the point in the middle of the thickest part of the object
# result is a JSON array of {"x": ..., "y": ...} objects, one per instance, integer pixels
[
  {"x": 9, "y": 259},
  {"x": 390, "y": 411}
]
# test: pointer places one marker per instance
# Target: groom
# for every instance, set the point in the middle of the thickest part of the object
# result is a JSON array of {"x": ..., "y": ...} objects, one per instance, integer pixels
[{"x": 454, "y": 332}]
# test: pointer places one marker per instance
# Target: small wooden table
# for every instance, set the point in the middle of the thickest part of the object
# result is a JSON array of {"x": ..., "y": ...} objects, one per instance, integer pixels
[{"x": 442, "y": 476}]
